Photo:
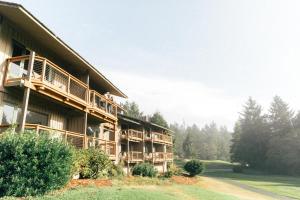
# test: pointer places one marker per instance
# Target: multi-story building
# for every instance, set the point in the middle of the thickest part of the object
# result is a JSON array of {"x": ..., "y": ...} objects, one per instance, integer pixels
[
  {"x": 143, "y": 141},
  {"x": 48, "y": 87}
]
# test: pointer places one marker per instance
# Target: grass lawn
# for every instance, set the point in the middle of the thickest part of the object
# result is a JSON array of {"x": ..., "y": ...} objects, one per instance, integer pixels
[
  {"x": 282, "y": 185},
  {"x": 137, "y": 188}
]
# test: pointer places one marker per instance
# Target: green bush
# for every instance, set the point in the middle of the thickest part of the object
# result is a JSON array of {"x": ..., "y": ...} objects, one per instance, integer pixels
[
  {"x": 144, "y": 169},
  {"x": 116, "y": 170},
  {"x": 92, "y": 163},
  {"x": 172, "y": 170},
  {"x": 32, "y": 165},
  {"x": 237, "y": 168},
  {"x": 194, "y": 167}
]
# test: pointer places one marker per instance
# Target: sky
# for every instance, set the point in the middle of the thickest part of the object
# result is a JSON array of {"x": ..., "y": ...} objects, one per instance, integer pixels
[{"x": 195, "y": 61}]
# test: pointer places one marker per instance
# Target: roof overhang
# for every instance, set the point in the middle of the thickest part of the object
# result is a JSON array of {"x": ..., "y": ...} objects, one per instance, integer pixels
[{"x": 17, "y": 14}]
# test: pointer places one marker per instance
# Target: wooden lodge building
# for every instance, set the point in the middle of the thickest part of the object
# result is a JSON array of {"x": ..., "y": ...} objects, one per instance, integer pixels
[{"x": 46, "y": 86}]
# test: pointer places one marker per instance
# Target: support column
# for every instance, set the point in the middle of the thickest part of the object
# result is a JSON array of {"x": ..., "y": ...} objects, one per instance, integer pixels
[
  {"x": 26, "y": 93},
  {"x": 165, "y": 160},
  {"x": 85, "y": 116},
  {"x": 128, "y": 171},
  {"x": 152, "y": 145},
  {"x": 143, "y": 143}
]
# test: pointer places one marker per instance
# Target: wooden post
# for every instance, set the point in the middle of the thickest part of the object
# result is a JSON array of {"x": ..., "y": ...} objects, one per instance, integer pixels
[
  {"x": 43, "y": 70},
  {"x": 152, "y": 145},
  {"x": 26, "y": 93},
  {"x": 128, "y": 157},
  {"x": 85, "y": 116},
  {"x": 143, "y": 136}
]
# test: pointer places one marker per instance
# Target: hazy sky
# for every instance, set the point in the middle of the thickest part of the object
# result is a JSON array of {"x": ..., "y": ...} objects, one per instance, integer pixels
[{"x": 195, "y": 61}]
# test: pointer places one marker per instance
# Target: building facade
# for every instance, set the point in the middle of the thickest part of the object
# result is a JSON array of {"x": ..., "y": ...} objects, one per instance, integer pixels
[
  {"x": 46, "y": 86},
  {"x": 143, "y": 141}
]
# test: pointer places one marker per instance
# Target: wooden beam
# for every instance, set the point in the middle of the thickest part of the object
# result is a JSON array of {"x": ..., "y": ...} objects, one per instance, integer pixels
[{"x": 26, "y": 93}]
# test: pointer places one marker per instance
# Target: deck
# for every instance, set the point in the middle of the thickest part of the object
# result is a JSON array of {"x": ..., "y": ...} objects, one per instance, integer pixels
[{"x": 51, "y": 80}]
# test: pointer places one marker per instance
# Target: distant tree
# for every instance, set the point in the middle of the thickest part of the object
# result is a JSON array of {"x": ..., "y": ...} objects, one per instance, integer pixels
[
  {"x": 250, "y": 137},
  {"x": 280, "y": 117},
  {"x": 132, "y": 110},
  {"x": 158, "y": 119},
  {"x": 187, "y": 146},
  {"x": 178, "y": 137},
  {"x": 283, "y": 151}
]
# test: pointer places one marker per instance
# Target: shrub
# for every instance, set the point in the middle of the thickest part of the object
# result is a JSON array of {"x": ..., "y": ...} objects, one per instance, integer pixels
[
  {"x": 144, "y": 169},
  {"x": 116, "y": 170},
  {"x": 32, "y": 165},
  {"x": 194, "y": 167},
  {"x": 172, "y": 170},
  {"x": 237, "y": 168},
  {"x": 93, "y": 163}
]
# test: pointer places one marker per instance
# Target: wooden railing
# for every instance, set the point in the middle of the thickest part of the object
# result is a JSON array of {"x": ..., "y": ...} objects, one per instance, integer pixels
[
  {"x": 132, "y": 134},
  {"x": 102, "y": 103},
  {"x": 169, "y": 156},
  {"x": 73, "y": 138},
  {"x": 158, "y": 156},
  {"x": 49, "y": 79},
  {"x": 105, "y": 145},
  {"x": 134, "y": 156},
  {"x": 162, "y": 138}
]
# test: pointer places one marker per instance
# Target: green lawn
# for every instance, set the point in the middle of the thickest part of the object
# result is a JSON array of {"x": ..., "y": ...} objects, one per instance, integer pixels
[
  {"x": 282, "y": 185},
  {"x": 174, "y": 192},
  {"x": 137, "y": 188}
]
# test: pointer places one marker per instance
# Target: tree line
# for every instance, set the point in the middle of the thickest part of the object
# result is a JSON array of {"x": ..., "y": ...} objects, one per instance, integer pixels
[{"x": 267, "y": 141}]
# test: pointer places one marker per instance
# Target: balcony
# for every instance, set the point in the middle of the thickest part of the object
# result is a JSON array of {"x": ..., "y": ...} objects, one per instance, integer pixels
[
  {"x": 159, "y": 156},
  {"x": 49, "y": 79},
  {"x": 133, "y": 156},
  {"x": 132, "y": 135},
  {"x": 102, "y": 106},
  {"x": 108, "y": 146},
  {"x": 75, "y": 139},
  {"x": 161, "y": 138},
  {"x": 169, "y": 156}
]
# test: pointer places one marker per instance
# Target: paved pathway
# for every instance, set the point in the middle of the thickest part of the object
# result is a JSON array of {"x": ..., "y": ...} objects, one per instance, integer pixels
[{"x": 238, "y": 189}]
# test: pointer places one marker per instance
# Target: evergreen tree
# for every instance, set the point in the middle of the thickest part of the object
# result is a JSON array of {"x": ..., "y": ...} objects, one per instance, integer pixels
[
  {"x": 158, "y": 119},
  {"x": 187, "y": 146},
  {"x": 249, "y": 143},
  {"x": 132, "y": 110}
]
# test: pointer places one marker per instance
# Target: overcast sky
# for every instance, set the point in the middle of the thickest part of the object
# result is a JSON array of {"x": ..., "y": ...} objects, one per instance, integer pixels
[{"x": 193, "y": 60}]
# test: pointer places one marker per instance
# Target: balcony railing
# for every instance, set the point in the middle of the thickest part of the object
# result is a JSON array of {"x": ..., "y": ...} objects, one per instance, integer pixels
[
  {"x": 73, "y": 138},
  {"x": 161, "y": 138},
  {"x": 132, "y": 134},
  {"x": 101, "y": 103},
  {"x": 133, "y": 156},
  {"x": 169, "y": 156},
  {"x": 105, "y": 145},
  {"x": 158, "y": 156},
  {"x": 51, "y": 80}
]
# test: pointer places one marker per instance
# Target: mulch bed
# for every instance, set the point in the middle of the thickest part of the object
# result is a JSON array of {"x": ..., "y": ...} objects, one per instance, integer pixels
[
  {"x": 184, "y": 180},
  {"x": 89, "y": 182}
]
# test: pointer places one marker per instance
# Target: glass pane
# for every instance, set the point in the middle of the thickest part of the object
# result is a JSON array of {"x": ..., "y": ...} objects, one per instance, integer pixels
[
  {"x": 8, "y": 114},
  {"x": 36, "y": 118}
]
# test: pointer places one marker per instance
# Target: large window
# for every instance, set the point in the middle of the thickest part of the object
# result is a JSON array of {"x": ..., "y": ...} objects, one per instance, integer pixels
[
  {"x": 33, "y": 117},
  {"x": 9, "y": 113}
]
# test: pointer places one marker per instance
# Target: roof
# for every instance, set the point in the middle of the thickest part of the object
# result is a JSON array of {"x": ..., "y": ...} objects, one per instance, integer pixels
[
  {"x": 21, "y": 17},
  {"x": 141, "y": 122}
]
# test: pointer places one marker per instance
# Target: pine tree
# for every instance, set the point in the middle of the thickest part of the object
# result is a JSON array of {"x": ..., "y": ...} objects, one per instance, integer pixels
[{"x": 250, "y": 138}]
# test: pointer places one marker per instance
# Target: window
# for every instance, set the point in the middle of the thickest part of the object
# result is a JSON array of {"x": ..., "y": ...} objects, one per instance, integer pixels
[
  {"x": 19, "y": 49},
  {"x": 10, "y": 113},
  {"x": 33, "y": 117}
]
